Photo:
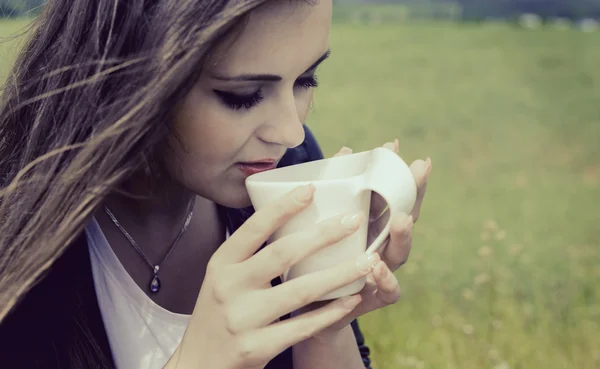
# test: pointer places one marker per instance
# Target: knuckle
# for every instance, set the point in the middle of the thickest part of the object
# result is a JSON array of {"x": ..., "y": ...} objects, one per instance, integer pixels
[
  {"x": 393, "y": 297},
  {"x": 258, "y": 225},
  {"x": 280, "y": 208},
  {"x": 308, "y": 331},
  {"x": 232, "y": 323},
  {"x": 329, "y": 232},
  {"x": 212, "y": 268},
  {"x": 247, "y": 352},
  {"x": 279, "y": 255},
  {"x": 307, "y": 296},
  {"x": 221, "y": 292}
]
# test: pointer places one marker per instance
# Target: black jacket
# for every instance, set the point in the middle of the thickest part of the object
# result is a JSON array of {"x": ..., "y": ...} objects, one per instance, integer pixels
[{"x": 58, "y": 324}]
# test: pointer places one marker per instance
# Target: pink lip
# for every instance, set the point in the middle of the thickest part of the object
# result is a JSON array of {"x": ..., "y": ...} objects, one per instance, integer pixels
[{"x": 254, "y": 167}]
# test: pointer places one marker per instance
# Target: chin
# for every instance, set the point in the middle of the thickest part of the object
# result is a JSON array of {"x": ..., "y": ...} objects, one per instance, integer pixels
[{"x": 235, "y": 197}]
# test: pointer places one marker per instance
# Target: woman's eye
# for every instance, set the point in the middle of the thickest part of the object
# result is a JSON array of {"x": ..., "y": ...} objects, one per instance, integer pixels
[
  {"x": 307, "y": 82},
  {"x": 238, "y": 101}
]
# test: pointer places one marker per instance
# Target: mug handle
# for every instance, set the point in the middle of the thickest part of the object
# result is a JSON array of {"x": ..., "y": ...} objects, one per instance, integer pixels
[{"x": 390, "y": 177}]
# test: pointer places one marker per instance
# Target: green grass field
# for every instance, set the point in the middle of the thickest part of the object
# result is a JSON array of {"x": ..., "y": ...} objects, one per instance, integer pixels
[{"x": 505, "y": 268}]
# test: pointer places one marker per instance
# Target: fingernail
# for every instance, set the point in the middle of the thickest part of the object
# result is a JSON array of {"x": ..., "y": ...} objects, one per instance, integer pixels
[
  {"x": 350, "y": 302},
  {"x": 429, "y": 165},
  {"x": 409, "y": 223},
  {"x": 380, "y": 269},
  {"x": 396, "y": 145},
  {"x": 367, "y": 262},
  {"x": 352, "y": 221},
  {"x": 344, "y": 151},
  {"x": 305, "y": 193}
]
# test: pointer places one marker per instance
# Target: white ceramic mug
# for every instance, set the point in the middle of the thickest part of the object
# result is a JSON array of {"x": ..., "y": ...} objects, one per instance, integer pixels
[{"x": 343, "y": 184}]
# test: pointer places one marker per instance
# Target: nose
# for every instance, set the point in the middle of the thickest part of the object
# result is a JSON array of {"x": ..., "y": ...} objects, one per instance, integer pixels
[{"x": 283, "y": 125}]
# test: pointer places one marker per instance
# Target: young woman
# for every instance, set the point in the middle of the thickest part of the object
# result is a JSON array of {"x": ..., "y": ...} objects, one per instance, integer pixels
[{"x": 127, "y": 239}]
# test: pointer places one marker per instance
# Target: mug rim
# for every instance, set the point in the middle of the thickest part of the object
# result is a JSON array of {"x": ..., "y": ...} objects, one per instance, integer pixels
[{"x": 257, "y": 178}]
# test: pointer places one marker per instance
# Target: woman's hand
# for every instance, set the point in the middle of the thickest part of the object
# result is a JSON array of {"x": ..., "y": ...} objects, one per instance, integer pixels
[
  {"x": 235, "y": 324},
  {"x": 382, "y": 287}
]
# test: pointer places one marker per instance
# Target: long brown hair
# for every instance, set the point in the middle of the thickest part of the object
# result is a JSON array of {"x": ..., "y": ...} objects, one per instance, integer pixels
[{"x": 87, "y": 104}]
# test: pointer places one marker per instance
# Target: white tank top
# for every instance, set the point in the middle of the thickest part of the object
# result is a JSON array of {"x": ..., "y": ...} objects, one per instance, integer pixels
[{"x": 141, "y": 333}]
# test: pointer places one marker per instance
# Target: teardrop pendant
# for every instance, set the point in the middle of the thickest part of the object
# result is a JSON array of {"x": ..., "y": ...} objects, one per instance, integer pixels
[{"x": 155, "y": 284}]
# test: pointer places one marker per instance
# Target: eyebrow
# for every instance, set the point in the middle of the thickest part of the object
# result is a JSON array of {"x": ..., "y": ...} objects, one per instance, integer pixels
[{"x": 268, "y": 77}]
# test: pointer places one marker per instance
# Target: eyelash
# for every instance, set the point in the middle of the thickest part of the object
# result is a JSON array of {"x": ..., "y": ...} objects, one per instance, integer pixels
[{"x": 237, "y": 101}]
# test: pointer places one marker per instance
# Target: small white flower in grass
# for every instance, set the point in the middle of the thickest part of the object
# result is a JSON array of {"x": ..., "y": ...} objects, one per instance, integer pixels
[
  {"x": 468, "y": 329},
  {"x": 500, "y": 235},
  {"x": 485, "y": 251},
  {"x": 502, "y": 365},
  {"x": 468, "y": 294},
  {"x": 493, "y": 354},
  {"x": 490, "y": 225},
  {"x": 481, "y": 279}
]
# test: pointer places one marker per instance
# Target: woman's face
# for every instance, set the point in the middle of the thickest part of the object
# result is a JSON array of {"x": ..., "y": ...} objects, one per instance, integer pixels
[{"x": 252, "y": 99}]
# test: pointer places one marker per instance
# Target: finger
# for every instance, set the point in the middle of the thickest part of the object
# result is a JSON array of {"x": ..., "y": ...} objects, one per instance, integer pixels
[
  {"x": 398, "y": 249},
  {"x": 259, "y": 227},
  {"x": 390, "y": 146},
  {"x": 343, "y": 151},
  {"x": 369, "y": 302},
  {"x": 299, "y": 292},
  {"x": 273, "y": 339},
  {"x": 274, "y": 259},
  {"x": 388, "y": 289},
  {"x": 420, "y": 170}
]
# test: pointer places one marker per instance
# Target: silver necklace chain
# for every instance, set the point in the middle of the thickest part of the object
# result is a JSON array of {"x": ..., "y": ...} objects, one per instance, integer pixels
[{"x": 155, "y": 283}]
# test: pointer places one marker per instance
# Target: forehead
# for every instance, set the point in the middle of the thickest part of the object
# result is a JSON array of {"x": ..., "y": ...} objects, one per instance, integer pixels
[{"x": 280, "y": 37}]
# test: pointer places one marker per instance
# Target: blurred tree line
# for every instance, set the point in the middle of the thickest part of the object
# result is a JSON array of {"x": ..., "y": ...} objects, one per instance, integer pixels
[
  {"x": 20, "y": 8},
  {"x": 571, "y": 9},
  {"x": 507, "y": 9}
]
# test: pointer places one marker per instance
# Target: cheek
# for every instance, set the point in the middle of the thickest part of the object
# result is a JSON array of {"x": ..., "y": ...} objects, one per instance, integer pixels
[
  {"x": 206, "y": 139},
  {"x": 204, "y": 149}
]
